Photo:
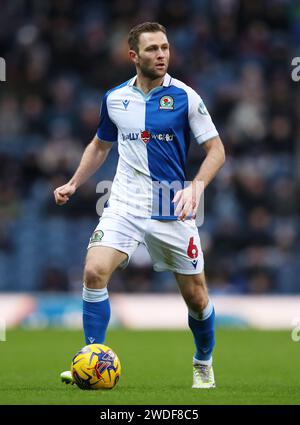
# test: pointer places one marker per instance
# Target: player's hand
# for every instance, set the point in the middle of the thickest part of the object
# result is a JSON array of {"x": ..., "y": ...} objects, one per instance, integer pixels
[
  {"x": 188, "y": 200},
  {"x": 62, "y": 194}
]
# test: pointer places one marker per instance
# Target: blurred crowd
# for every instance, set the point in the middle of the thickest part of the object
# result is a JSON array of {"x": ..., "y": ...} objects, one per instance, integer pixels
[{"x": 62, "y": 55}]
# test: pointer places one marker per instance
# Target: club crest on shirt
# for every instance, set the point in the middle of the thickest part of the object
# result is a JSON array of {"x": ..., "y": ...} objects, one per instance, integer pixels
[
  {"x": 97, "y": 236},
  {"x": 166, "y": 102}
]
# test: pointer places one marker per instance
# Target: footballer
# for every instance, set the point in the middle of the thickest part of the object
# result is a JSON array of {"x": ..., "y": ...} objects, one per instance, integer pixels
[{"x": 150, "y": 116}]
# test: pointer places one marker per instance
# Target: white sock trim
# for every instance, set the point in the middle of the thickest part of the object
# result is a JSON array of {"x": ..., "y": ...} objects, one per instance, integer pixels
[
  {"x": 202, "y": 362},
  {"x": 94, "y": 295},
  {"x": 204, "y": 314}
]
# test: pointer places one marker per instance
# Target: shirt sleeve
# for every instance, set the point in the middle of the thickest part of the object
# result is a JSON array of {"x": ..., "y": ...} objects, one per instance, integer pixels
[
  {"x": 107, "y": 130},
  {"x": 200, "y": 121}
]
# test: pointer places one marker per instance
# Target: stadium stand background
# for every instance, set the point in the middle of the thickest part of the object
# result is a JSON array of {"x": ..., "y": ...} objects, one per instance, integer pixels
[{"x": 62, "y": 55}]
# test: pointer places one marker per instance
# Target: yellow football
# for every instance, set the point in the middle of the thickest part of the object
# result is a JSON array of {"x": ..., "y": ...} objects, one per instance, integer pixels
[{"x": 95, "y": 367}]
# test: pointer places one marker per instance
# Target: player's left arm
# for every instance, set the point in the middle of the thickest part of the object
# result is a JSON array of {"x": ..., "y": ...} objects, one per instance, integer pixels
[
  {"x": 188, "y": 199},
  {"x": 205, "y": 134},
  {"x": 214, "y": 160}
]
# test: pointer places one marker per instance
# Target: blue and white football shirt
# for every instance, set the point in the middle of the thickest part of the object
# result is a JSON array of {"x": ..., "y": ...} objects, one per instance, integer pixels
[{"x": 153, "y": 134}]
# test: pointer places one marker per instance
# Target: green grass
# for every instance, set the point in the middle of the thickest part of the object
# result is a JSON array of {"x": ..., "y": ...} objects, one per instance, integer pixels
[{"x": 251, "y": 367}]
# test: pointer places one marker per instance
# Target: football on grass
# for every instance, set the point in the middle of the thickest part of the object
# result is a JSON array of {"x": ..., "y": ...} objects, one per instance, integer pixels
[{"x": 95, "y": 367}]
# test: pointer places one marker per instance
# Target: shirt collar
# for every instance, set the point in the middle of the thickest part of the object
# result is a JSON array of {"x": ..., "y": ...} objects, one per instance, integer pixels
[{"x": 166, "y": 82}]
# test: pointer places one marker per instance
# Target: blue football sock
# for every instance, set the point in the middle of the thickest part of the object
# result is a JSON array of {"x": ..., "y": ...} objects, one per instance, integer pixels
[
  {"x": 202, "y": 326},
  {"x": 96, "y": 314}
]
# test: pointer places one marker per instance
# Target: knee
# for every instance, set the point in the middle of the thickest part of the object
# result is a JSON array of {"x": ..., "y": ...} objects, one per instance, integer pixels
[
  {"x": 198, "y": 304},
  {"x": 197, "y": 298},
  {"x": 95, "y": 276}
]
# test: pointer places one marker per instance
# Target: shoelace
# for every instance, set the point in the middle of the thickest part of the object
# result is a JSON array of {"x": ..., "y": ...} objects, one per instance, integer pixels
[{"x": 203, "y": 372}]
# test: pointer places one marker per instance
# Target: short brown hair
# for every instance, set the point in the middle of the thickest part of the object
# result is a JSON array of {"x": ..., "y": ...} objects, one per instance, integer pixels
[{"x": 135, "y": 32}]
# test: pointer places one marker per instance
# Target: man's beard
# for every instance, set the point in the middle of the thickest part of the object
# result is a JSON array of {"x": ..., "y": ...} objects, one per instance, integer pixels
[{"x": 152, "y": 74}]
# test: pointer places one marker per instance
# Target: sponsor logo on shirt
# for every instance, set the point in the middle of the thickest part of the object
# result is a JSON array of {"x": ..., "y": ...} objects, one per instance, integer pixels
[
  {"x": 202, "y": 108},
  {"x": 146, "y": 135},
  {"x": 125, "y": 103}
]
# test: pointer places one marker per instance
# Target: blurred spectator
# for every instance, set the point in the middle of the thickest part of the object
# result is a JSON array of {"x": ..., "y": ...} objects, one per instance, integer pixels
[
  {"x": 6, "y": 242},
  {"x": 54, "y": 279},
  {"x": 260, "y": 281},
  {"x": 12, "y": 122}
]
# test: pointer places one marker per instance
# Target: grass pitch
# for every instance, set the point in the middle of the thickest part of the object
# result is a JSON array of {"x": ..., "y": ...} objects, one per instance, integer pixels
[{"x": 251, "y": 367}]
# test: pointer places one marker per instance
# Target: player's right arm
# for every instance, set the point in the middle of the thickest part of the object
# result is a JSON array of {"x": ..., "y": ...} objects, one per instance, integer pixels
[{"x": 93, "y": 157}]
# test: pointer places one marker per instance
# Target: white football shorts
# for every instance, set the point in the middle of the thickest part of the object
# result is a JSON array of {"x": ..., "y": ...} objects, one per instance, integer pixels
[{"x": 173, "y": 245}]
